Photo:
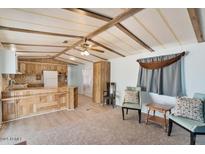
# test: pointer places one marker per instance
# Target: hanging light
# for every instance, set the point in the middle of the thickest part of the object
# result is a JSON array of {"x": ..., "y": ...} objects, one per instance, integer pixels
[
  {"x": 72, "y": 58},
  {"x": 85, "y": 53}
]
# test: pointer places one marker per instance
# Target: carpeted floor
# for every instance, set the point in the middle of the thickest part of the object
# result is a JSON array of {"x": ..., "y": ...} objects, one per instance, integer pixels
[{"x": 90, "y": 124}]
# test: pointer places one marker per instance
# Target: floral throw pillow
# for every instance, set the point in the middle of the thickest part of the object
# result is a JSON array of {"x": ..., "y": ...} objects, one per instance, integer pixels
[
  {"x": 131, "y": 96},
  {"x": 190, "y": 108}
]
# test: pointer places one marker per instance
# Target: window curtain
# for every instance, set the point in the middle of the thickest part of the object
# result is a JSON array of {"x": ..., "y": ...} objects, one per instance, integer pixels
[{"x": 162, "y": 75}]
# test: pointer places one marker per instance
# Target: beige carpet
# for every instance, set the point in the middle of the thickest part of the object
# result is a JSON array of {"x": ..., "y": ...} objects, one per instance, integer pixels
[{"x": 90, "y": 124}]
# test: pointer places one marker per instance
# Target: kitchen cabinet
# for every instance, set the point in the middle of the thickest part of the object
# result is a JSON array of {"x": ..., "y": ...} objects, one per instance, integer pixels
[
  {"x": 34, "y": 68},
  {"x": 9, "y": 110},
  {"x": 22, "y": 68},
  {"x": 29, "y": 102}
]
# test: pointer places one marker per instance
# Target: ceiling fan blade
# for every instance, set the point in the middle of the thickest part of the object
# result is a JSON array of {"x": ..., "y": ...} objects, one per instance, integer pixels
[
  {"x": 94, "y": 45},
  {"x": 98, "y": 50}
]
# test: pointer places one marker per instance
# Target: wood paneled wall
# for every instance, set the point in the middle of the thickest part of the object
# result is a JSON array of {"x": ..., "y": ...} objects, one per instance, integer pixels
[{"x": 101, "y": 75}]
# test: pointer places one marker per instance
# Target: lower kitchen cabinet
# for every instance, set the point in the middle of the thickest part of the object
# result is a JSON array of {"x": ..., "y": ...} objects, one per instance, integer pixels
[
  {"x": 9, "y": 110},
  {"x": 38, "y": 102}
]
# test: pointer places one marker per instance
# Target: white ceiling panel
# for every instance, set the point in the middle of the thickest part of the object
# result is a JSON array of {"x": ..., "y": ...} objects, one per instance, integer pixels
[
  {"x": 152, "y": 20},
  {"x": 66, "y": 15},
  {"x": 36, "y": 48},
  {"x": 117, "y": 40},
  {"x": 28, "y": 38},
  {"x": 135, "y": 26},
  {"x": 158, "y": 28},
  {"x": 180, "y": 22},
  {"x": 50, "y": 20},
  {"x": 66, "y": 60},
  {"x": 76, "y": 59},
  {"x": 124, "y": 39},
  {"x": 35, "y": 54},
  {"x": 19, "y": 23},
  {"x": 111, "y": 45}
]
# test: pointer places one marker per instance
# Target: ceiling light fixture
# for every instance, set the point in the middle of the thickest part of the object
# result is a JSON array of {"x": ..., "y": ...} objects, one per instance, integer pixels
[
  {"x": 85, "y": 53},
  {"x": 72, "y": 58}
]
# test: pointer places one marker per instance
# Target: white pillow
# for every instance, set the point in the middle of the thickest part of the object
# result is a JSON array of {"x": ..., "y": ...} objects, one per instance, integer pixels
[
  {"x": 191, "y": 108},
  {"x": 131, "y": 96}
]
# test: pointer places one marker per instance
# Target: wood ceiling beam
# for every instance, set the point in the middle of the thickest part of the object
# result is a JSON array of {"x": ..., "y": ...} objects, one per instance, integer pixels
[
  {"x": 126, "y": 14},
  {"x": 91, "y": 54},
  {"x": 67, "y": 60},
  {"x": 69, "y": 48},
  {"x": 107, "y": 48},
  {"x": 37, "y": 32},
  {"x": 18, "y": 51},
  {"x": 34, "y": 62},
  {"x": 89, "y": 14},
  {"x": 72, "y": 61},
  {"x": 78, "y": 57},
  {"x": 107, "y": 19},
  {"x": 38, "y": 45},
  {"x": 45, "y": 60},
  {"x": 33, "y": 57},
  {"x": 134, "y": 37},
  {"x": 196, "y": 23}
]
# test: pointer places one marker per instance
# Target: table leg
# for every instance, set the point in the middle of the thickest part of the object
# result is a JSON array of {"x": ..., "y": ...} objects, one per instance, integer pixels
[
  {"x": 148, "y": 116},
  {"x": 165, "y": 121},
  {"x": 154, "y": 113}
]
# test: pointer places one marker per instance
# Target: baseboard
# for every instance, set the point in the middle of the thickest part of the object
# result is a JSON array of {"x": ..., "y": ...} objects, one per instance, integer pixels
[{"x": 37, "y": 115}]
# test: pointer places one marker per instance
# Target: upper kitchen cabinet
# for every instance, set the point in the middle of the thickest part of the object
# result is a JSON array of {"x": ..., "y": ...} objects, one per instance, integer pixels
[{"x": 37, "y": 66}]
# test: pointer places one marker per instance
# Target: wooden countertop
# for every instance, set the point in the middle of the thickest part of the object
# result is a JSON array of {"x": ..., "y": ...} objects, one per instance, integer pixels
[
  {"x": 38, "y": 88},
  {"x": 33, "y": 91}
]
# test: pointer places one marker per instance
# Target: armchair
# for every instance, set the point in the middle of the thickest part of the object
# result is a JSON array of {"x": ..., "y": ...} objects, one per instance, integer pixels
[
  {"x": 133, "y": 105},
  {"x": 192, "y": 126}
]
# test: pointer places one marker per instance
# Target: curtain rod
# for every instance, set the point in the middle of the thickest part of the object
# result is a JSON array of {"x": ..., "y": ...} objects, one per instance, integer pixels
[{"x": 184, "y": 53}]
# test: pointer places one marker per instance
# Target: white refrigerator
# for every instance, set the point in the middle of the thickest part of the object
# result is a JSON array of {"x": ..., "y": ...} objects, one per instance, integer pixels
[{"x": 50, "y": 79}]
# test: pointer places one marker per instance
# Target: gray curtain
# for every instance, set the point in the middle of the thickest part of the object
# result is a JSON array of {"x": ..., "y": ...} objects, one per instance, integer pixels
[{"x": 165, "y": 81}]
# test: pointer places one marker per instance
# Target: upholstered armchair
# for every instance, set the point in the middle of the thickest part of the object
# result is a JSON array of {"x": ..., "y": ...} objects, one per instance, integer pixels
[
  {"x": 132, "y": 103},
  {"x": 192, "y": 126}
]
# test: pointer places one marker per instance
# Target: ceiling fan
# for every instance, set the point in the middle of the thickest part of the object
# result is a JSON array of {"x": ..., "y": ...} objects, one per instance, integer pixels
[{"x": 86, "y": 47}]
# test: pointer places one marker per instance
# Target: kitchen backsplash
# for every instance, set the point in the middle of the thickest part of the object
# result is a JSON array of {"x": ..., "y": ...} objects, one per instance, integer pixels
[{"x": 30, "y": 79}]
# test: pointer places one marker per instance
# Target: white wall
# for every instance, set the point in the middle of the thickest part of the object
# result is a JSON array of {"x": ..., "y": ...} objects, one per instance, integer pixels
[
  {"x": 75, "y": 77},
  {"x": 124, "y": 71},
  {"x": 82, "y": 77}
]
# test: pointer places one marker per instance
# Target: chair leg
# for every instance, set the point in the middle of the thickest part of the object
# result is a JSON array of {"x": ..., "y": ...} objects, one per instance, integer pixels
[
  {"x": 123, "y": 116},
  {"x": 170, "y": 127},
  {"x": 103, "y": 101},
  {"x": 139, "y": 114},
  {"x": 127, "y": 111},
  {"x": 192, "y": 138},
  {"x": 113, "y": 103}
]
